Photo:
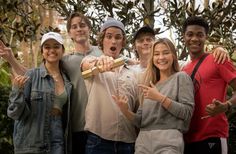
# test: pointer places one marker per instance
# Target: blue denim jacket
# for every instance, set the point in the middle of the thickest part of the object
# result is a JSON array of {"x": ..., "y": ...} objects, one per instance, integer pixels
[{"x": 30, "y": 109}]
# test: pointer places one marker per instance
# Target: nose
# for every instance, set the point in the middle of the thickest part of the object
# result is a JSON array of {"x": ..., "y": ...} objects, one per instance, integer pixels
[
  {"x": 161, "y": 56},
  {"x": 113, "y": 40},
  {"x": 145, "y": 41},
  {"x": 78, "y": 28},
  {"x": 51, "y": 49},
  {"x": 194, "y": 38}
]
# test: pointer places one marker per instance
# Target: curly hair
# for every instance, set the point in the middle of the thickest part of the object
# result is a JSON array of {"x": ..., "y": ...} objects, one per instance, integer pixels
[{"x": 194, "y": 20}]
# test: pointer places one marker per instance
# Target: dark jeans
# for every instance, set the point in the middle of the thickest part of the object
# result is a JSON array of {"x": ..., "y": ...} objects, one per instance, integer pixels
[
  {"x": 79, "y": 140},
  {"x": 208, "y": 146},
  {"x": 97, "y": 145}
]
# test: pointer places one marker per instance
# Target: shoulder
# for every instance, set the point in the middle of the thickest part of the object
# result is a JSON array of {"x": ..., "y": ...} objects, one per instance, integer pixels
[
  {"x": 33, "y": 71},
  {"x": 95, "y": 51},
  {"x": 183, "y": 76}
]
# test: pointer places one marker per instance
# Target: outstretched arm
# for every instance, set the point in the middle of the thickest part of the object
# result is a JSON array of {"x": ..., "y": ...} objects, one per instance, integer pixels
[{"x": 7, "y": 54}]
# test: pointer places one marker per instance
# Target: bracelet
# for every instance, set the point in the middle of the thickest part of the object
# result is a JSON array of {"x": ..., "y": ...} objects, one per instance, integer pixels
[
  {"x": 163, "y": 99},
  {"x": 167, "y": 103}
]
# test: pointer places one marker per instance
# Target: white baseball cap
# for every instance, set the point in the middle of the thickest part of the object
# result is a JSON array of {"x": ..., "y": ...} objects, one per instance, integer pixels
[{"x": 52, "y": 35}]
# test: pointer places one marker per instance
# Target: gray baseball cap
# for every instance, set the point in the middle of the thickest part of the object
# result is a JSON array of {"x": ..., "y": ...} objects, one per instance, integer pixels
[{"x": 111, "y": 22}]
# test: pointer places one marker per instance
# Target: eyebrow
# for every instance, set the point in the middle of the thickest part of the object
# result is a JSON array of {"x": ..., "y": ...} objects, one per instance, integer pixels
[{"x": 112, "y": 33}]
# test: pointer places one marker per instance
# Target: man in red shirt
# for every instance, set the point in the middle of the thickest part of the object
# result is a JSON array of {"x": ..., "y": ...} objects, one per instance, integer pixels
[{"x": 209, "y": 126}]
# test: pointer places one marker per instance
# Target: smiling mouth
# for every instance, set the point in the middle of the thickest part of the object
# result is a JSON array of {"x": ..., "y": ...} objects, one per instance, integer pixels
[{"x": 113, "y": 48}]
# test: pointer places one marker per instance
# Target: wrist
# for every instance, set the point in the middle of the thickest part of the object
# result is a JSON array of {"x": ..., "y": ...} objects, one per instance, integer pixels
[
  {"x": 165, "y": 102},
  {"x": 229, "y": 105}
]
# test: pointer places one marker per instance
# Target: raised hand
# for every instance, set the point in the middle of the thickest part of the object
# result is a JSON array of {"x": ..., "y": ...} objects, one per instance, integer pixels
[
  {"x": 122, "y": 102},
  {"x": 6, "y": 52},
  {"x": 151, "y": 92},
  {"x": 105, "y": 63},
  {"x": 19, "y": 81}
]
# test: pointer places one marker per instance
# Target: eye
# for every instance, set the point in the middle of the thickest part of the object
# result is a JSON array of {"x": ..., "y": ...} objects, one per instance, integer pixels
[
  {"x": 47, "y": 47},
  {"x": 148, "y": 39},
  {"x": 57, "y": 47},
  {"x": 118, "y": 37},
  {"x": 140, "y": 40},
  {"x": 73, "y": 26},
  {"x": 82, "y": 25},
  {"x": 200, "y": 35},
  {"x": 166, "y": 52},
  {"x": 108, "y": 36},
  {"x": 156, "y": 53},
  {"x": 189, "y": 34}
]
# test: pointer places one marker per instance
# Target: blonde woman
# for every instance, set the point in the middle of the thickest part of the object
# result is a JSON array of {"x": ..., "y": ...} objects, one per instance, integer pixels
[{"x": 167, "y": 105}]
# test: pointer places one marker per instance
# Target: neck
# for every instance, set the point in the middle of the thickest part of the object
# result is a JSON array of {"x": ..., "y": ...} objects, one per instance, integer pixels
[
  {"x": 52, "y": 68},
  {"x": 82, "y": 47},
  {"x": 165, "y": 74},
  {"x": 196, "y": 55},
  {"x": 143, "y": 60}
]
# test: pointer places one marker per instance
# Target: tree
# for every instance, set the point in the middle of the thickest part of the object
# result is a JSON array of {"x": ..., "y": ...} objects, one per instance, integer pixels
[{"x": 23, "y": 22}]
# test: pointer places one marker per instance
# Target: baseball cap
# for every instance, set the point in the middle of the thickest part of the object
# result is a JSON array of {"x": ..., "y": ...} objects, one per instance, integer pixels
[
  {"x": 111, "y": 22},
  {"x": 144, "y": 29},
  {"x": 52, "y": 35}
]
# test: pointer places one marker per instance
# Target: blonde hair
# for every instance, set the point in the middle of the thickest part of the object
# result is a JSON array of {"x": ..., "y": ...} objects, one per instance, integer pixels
[{"x": 152, "y": 73}]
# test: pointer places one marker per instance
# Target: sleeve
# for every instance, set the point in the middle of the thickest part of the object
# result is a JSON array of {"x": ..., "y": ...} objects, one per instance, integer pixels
[
  {"x": 184, "y": 105},
  {"x": 227, "y": 71},
  {"x": 19, "y": 101},
  {"x": 137, "y": 118}
]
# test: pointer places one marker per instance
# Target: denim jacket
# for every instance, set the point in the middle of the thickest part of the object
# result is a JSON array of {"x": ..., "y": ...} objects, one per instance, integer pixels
[{"x": 30, "y": 108}]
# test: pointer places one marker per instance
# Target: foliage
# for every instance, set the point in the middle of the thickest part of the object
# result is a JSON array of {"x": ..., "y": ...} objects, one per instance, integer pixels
[
  {"x": 6, "y": 124},
  {"x": 21, "y": 21},
  {"x": 131, "y": 13},
  {"x": 4, "y": 75},
  {"x": 220, "y": 16},
  {"x": 18, "y": 21}
]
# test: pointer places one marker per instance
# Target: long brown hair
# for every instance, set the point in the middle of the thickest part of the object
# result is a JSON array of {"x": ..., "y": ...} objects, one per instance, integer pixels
[{"x": 152, "y": 73}]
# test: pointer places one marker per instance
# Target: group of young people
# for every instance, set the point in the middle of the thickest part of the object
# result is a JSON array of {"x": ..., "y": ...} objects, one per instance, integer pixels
[{"x": 151, "y": 107}]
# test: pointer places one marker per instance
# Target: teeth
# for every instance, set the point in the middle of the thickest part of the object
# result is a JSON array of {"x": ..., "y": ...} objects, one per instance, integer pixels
[{"x": 162, "y": 63}]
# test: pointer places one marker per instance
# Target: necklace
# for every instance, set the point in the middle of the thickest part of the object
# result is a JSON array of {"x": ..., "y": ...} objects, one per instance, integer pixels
[{"x": 55, "y": 77}]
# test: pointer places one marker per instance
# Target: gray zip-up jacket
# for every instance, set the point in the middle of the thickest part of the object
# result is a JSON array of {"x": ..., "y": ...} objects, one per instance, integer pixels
[{"x": 30, "y": 108}]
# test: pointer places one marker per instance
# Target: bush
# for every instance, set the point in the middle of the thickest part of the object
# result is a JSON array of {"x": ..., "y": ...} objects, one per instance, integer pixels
[{"x": 6, "y": 124}]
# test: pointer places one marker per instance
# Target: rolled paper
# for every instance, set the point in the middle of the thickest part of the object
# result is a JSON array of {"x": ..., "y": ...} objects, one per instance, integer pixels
[{"x": 96, "y": 69}]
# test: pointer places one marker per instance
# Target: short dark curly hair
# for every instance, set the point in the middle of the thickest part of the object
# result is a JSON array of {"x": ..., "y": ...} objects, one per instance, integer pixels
[{"x": 195, "y": 20}]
